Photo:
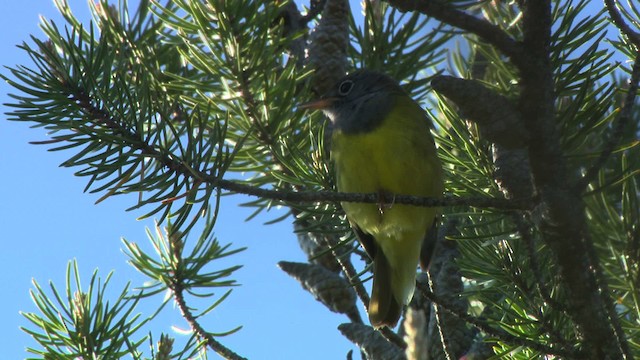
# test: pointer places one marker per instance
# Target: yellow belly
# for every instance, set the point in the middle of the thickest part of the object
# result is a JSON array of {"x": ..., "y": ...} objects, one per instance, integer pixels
[{"x": 398, "y": 157}]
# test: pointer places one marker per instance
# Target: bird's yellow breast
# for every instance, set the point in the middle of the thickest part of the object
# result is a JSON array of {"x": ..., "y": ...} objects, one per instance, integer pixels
[{"x": 397, "y": 157}]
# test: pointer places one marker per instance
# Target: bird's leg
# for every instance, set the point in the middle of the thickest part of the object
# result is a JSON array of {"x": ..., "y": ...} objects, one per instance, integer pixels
[{"x": 382, "y": 201}]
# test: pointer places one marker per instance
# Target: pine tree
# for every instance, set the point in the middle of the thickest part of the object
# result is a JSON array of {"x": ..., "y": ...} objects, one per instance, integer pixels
[{"x": 175, "y": 103}]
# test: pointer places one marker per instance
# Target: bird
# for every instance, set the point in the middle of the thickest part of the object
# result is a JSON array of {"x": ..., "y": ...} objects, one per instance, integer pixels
[{"x": 381, "y": 143}]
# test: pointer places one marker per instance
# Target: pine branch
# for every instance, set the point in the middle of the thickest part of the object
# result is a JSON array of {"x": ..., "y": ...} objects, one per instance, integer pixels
[
  {"x": 501, "y": 335},
  {"x": 215, "y": 345},
  {"x": 84, "y": 322},
  {"x": 370, "y": 198},
  {"x": 102, "y": 117},
  {"x": 239, "y": 76},
  {"x": 624, "y": 117},
  {"x": 176, "y": 284},
  {"x": 564, "y": 225},
  {"x": 617, "y": 18},
  {"x": 446, "y": 13},
  {"x": 316, "y": 7},
  {"x": 349, "y": 272}
]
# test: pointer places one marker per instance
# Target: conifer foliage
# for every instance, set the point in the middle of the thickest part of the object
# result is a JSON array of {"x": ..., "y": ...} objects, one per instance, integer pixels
[{"x": 174, "y": 104}]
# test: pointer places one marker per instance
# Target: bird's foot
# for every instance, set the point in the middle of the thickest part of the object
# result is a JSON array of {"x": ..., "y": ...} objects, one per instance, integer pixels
[{"x": 383, "y": 203}]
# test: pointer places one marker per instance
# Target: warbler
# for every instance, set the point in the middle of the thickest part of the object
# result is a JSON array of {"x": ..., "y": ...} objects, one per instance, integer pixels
[{"x": 381, "y": 143}]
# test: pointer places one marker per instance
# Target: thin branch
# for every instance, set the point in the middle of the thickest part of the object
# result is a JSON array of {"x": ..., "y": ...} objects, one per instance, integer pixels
[
  {"x": 623, "y": 119},
  {"x": 215, "y": 345},
  {"x": 614, "y": 12},
  {"x": 501, "y": 335},
  {"x": 369, "y": 198},
  {"x": 103, "y": 118},
  {"x": 176, "y": 285},
  {"x": 316, "y": 7},
  {"x": 393, "y": 338},
  {"x": 349, "y": 271},
  {"x": 439, "y": 322},
  {"x": 446, "y": 13}
]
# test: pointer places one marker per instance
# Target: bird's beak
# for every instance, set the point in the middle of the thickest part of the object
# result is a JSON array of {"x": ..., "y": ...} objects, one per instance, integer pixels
[{"x": 317, "y": 104}]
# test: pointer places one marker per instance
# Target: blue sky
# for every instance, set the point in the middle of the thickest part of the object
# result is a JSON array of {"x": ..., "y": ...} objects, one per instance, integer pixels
[{"x": 48, "y": 221}]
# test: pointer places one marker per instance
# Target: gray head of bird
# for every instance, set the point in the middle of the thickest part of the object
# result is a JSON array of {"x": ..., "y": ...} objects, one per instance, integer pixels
[{"x": 358, "y": 102}]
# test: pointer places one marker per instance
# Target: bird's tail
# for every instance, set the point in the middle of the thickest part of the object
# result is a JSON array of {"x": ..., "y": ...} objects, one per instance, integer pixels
[{"x": 384, "y": 308}]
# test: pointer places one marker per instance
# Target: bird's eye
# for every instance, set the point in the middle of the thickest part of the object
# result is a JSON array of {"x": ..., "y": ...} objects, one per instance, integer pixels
[{"x": 345, "y": 87}]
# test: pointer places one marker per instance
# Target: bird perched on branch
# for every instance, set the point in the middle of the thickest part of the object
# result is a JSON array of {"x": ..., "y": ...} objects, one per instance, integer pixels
[{"x": 381, "y": 143}]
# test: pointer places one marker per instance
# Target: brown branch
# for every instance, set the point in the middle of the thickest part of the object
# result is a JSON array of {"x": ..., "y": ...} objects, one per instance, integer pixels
[
  {"x": 440, "y": 323},
  {"x": 369, "y": 198},
  {"x": 446, "y": 13},
  {"x": 563, "y": 221},
  {"x": 315, "y": 8},
  {"x": 173, "y": 163},
  {"x": 215, "y": 345},
  {"x": 614, "y": 12},
  {"x": 177, "y": 286},
  {"x": 101, "y": 117},
  {"x": 349, "y": 272}
]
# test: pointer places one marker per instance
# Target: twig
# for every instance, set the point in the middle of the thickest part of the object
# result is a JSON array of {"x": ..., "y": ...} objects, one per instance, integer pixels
[
  {"x": 497, "y": 333},
  {"x": 439, "y": 321},
  {"x": 314, "y": 10},
  {"x": 102, "y": 117},
  {"x": 446, "y": 13},
  {"x": 369, "y": 198},
  {"x": 348, "y": 270},
  {"x": 215, "y": 345},
  {"x": 623, "y": 119},
  {"x": 176, "y": 285},
  {"x": 632, "y": 35}
]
